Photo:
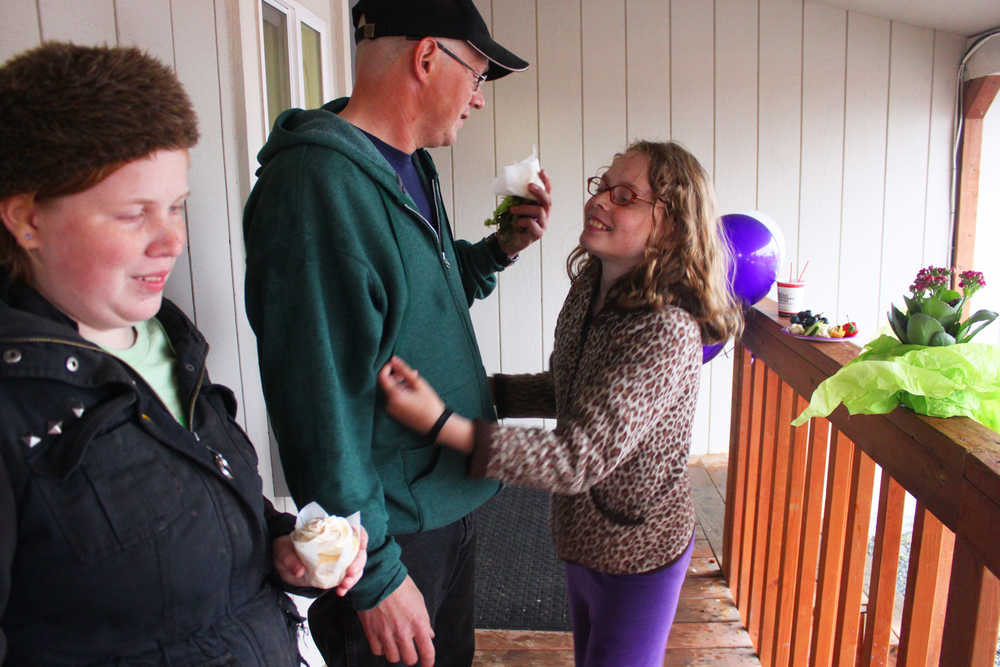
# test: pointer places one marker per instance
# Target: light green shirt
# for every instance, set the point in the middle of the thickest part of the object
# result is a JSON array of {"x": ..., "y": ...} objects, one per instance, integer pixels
[{"x": 153, "y": 357}]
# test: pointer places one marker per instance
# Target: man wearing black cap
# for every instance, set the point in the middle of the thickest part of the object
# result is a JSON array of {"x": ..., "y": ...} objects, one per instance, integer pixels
[{"x": 350, "y": 260}]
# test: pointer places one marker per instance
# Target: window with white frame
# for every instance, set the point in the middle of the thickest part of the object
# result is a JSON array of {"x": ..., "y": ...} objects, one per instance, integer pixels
[{"x": 296, "y": 53}]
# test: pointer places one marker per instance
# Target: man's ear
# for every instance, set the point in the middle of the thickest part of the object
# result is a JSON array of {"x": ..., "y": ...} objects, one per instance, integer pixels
[
  {"x": 423, "y": 57},
  {"x": 18, "y": 215}
]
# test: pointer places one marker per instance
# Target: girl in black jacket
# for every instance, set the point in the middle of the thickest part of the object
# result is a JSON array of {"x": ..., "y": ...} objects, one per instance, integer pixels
[{"x": 133, "y": 530}]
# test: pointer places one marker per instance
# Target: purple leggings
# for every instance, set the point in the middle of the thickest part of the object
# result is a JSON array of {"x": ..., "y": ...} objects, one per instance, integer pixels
[{"x": 623, "y": 619}]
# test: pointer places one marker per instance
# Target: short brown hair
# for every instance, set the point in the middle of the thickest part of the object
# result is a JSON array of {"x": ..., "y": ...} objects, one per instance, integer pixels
[
  {"x": 71, "y": 115},
  {"x": 686, "y": 260}
]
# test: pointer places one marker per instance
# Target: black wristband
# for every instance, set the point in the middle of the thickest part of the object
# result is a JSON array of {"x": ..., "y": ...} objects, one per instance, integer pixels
[
  {"x": 432, "y": 435},
  {"x": 499, "y": 256}
]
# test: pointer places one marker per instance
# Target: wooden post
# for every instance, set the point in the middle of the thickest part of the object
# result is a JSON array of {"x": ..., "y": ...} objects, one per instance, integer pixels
[
  {"x": 776, "y": 529},
  {"x": 970, "y": 628},
  {"x": 838, "y": 486},
  {"x": 765, "y": 503},
  {"x": 931, "y": 551},
  {"x": 736, "y": 475},
  {"x": 885, "y": 565},
  {"x": 978, "y": 96},
  {"x": 790, "y": 558},
  {"x": 752, "y": 501},
  {"x": 852, "y": 578},
  {"x": 809, "y": 544}
]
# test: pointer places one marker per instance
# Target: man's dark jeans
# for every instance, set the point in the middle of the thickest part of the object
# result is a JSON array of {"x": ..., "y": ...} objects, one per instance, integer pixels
[{"x": 441, "y": 563}]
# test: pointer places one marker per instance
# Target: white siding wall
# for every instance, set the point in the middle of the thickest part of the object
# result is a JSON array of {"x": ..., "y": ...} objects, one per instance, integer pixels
[{"x": 837, "y": 124}]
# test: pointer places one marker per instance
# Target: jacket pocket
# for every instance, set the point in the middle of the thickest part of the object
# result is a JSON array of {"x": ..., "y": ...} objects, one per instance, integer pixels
[
  {"x": 121, "y": 492},
  {"x": 614, "y": 515}
]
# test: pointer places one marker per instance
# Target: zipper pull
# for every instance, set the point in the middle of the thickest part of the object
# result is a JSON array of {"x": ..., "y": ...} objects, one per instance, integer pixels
[
  {"x": 221, "y": 463},
  {"x": 444, "y": 260}
]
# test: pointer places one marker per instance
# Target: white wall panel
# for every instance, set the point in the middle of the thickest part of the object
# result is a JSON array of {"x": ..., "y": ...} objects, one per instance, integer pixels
[
  {"x": 19, "y": 29},
  {"x": 148, "y": 25},
  {"x": 948, "y": 51},
  {"x": 515, "y": 111},
  {"x": 692, "y": 74},
  {"x": 80, "y": 21},
  {"x": 779, "y": 97},
  {"x": 692, "y": 124},
  {"x": 735, "y": 172},
  {"x": 604, "y": 99},
  {"x": 910, "y": 71},
  {"x": 735, "y": 166},
  {"x": 474, "y": 162},
  {"x": 210, "y": 244},
  {"x": 648, "y": 69},
  {"x": 866, "y": 105},
  {"x": 560, "y": 125},
  {"x": 823, "y": 75},
  {"x": 233, "y": 125}
]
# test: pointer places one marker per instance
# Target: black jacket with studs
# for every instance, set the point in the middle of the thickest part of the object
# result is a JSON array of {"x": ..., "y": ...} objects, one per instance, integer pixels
[{"x": 126, "y": 538}]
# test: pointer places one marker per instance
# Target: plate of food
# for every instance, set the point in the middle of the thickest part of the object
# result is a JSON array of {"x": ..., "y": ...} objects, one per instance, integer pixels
[{"x": 817, "y": 328}]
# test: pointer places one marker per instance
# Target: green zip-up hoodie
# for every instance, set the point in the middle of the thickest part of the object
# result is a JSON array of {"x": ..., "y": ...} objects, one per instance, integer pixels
[{"x": 342, "y": 273}]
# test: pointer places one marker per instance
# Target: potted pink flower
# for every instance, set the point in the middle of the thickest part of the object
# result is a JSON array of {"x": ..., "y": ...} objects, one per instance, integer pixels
[
  {"x": 934, "y": 310},
  {"x": 929, "y": 366}
]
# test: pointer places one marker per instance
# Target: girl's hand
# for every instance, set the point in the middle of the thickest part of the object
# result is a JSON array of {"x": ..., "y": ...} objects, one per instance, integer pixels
[
  {"x": 287, "y": 563},
  {"x": 293, "y": 571},
  {"x": 414, "y": 403},
  {"x": 409, "y": 399},
  {"x": 357, "y": 567}
]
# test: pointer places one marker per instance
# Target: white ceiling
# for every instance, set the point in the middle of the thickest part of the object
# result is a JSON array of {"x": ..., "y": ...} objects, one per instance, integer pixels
[{"x": 964, "y": 17}]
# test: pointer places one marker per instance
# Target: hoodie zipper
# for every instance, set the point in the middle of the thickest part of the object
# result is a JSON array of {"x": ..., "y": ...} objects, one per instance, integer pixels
[{"x": 427, "y": 224}]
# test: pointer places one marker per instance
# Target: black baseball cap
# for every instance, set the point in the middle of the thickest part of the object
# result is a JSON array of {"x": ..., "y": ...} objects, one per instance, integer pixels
[{"x": 454, "y": 19}]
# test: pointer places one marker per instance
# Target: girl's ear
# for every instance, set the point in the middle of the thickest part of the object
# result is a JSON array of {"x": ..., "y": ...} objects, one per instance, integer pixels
[
  {"x": 18, "y": 215},
  {"x": 662, "y": 224}
]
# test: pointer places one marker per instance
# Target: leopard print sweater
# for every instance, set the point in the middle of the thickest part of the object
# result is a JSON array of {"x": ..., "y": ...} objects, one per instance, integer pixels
[{"x": 623, "y": 389}]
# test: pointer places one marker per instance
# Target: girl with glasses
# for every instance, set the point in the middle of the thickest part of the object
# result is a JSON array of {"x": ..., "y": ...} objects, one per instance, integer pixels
[{"x": 649, "y": 288}]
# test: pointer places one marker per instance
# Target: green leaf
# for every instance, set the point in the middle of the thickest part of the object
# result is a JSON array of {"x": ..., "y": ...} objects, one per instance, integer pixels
[
  {"x": 983, "y": 317},
  {"x": 936, "y": 308},
  {"x": 502, "y": 217},
  {"x": 897, "y": 320},
  {"x": 921, "y": 327},
  {"x": 941, "y": 311},
  {"x": 942, "y": 338},
  {"x": 912, "y": 305},
  {"x": 949, "y": 295}
]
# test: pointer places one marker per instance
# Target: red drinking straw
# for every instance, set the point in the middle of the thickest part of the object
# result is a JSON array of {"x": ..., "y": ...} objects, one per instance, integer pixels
[{"x": 803, "y": 271}]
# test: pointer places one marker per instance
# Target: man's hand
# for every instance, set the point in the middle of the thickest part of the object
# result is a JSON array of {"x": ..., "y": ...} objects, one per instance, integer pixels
[
  {"x": 531, "y": 219},
  {"x": 399, "y": 622}
]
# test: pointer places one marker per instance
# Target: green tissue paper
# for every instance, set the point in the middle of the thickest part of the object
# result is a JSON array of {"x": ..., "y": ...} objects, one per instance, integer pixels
[{"x": 950, "y": 381}]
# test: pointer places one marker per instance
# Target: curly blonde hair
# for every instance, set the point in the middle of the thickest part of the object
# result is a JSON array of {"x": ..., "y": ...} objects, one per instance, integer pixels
[{"x": 686, "y": 257}]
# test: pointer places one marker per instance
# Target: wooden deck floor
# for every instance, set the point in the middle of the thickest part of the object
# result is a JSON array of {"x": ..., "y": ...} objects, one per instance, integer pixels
[{"x": 707, "y": 629}]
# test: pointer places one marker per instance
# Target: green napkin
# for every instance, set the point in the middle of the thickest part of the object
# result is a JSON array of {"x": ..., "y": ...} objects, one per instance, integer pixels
[{"x": 946, "y": 381}]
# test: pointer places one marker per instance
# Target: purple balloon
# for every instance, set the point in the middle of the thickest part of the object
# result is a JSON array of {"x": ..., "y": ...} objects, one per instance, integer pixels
[
  {"x": 708, "y": 352},
  {"x": 757, "y": 247}
]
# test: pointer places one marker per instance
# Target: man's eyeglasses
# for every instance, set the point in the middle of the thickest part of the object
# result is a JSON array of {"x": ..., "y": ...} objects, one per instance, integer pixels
[
  {"x": 479, "y": 78},
  {"x": 621, "y": 195}
]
